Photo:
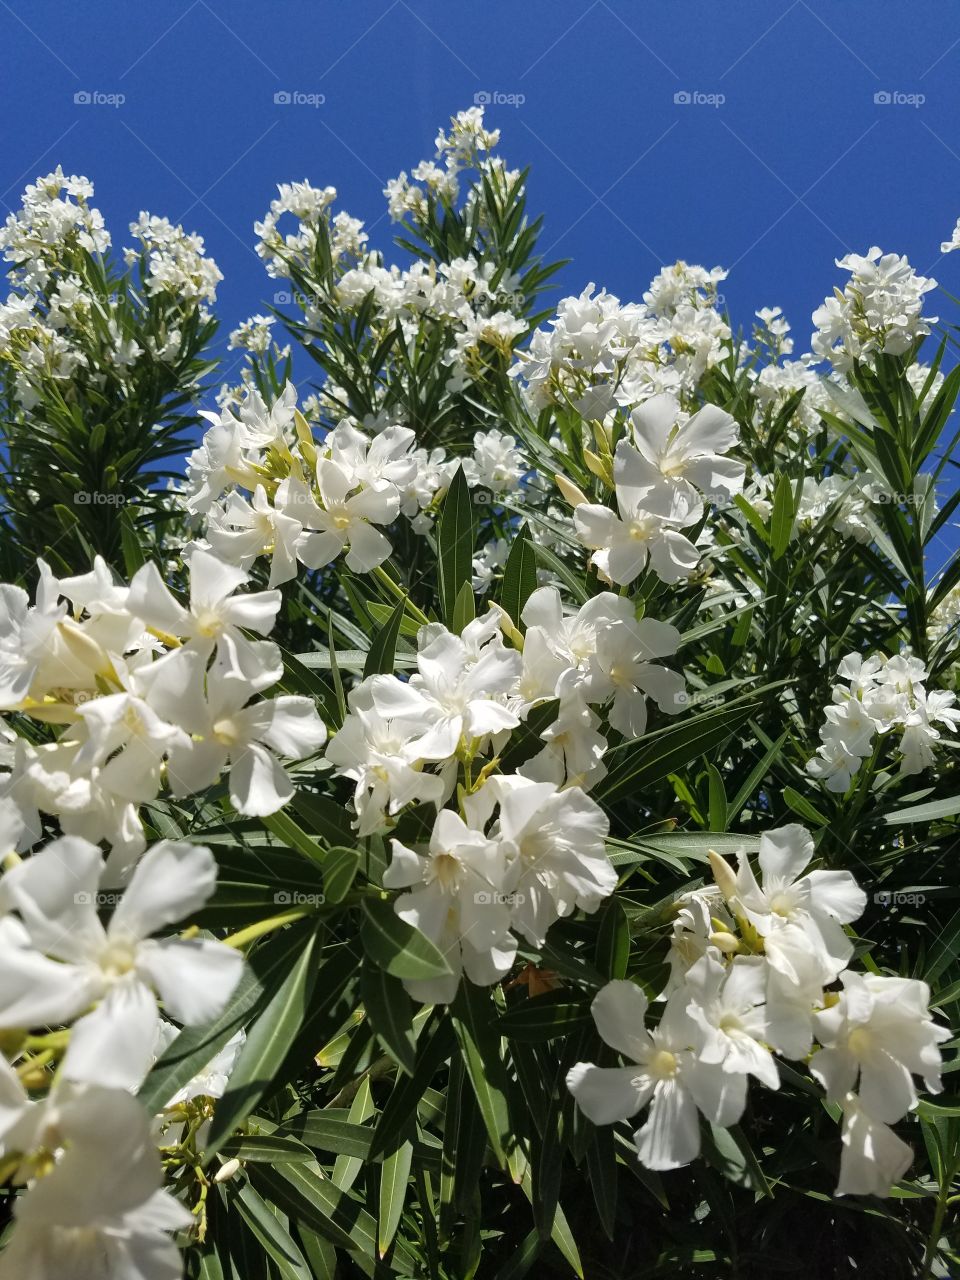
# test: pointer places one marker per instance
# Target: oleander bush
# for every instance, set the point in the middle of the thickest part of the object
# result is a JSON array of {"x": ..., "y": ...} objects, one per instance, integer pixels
[{"x": 492, "y": 809}]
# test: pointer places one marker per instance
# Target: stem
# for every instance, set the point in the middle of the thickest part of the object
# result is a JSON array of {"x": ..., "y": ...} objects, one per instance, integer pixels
[
  {"x": 935, "y": 1231},
  {"x": 398, "y": 593},
  {"x": 254, "y": 931}
]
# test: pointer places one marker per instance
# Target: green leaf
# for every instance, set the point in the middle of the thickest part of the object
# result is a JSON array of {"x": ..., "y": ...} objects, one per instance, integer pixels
[
  {"x": 639, "y": 764},
  {"x": 390, "y": 1011},
  {"x": 194, "y": 1047},
  {"x": 270, "y": 1232},
  {"x": 396, "y": 946},
  {"x": 547, "y": 1017},
  {"x": 455, "y": 539},
  {"x": 718, "y": 799},
  {"x": 928, "y": 812},
  {"x": 266, "y": 1045},
  {"x": 381, "y": 653},
  {"x": 464, "y": 609},
  {"x": 266, "y": 1148},
  {"x": 394, "y": 1177},
  {"x": 480, "y": 1049},
  {"x": 340, "y": 869},
  {"x": 519, "y": 576},
  {"x": 324, "y": 817},
  {"x": 756, "y": 776},
  {"x": 944, "y": 951},
  {"x": 293, "y": 835},
  {"x": 781, "y": 517},
  {"x": 804, "y": 808},
  {"x": 613, "y": 940}
]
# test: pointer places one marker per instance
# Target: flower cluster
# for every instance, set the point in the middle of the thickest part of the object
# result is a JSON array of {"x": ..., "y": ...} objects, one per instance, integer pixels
[
  {"x": 662, "y": 472},
  {"x": 880, "y": 310},
  {"x": 483, "y": 879},
  {"x": 599, "y": 354},
  {"x": 174, "y": 260},
  {"x": 755, "y": 969},
  {"x": 402, "y": 739},
  {"x": 145, "y": 690},
  {"x": 875, "y": 697},
  {"x": 57, "y": 321},
  {"x": 84, "y": 1150},
  {"x": 466, "y": 146},
  {"x": 267, "y": 485}
]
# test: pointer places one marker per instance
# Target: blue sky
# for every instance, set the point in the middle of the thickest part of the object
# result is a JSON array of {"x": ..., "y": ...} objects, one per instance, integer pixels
[{"x": 791, "y": 163}]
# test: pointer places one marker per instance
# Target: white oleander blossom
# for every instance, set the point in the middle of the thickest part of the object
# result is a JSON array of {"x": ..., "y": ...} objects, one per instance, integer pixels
[
  {"x": 876, "y": 697},
  {"x": 522, "y": 855},
  {"x": 665, "y": 1072},
  {"x": 61, "y": 965},
  {"x": 879, "y": 311},
  {"x": 93, "y": 1204},
  {"x": 751, "y": 967},
  {"x": 456, "y": 898}
]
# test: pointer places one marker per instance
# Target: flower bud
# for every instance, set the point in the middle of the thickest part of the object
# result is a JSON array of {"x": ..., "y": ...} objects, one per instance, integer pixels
[
  {"x": 227, "y": 1171},
  {"x": 570, "y": 491},
  {"x": 724, "y": 875}
]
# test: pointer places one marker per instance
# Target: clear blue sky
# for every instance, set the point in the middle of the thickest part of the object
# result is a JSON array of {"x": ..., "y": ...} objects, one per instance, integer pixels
[{"x": 798, "y": 165}]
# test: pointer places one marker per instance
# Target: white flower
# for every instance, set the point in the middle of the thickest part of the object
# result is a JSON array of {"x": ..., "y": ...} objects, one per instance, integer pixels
[
  {"x": 686, "y": 454},
  {"x": 880, "y": 310},
  {"x": 375, "y": 752},
  {"x": 347, "y": 515},
  {"x": 243, "y": 530},
  {"x": 496, "y": 463},
  {"x": 99, "y": 1213},
  {"x": 553, "y": 842},
  {"x": 872, "y": 1157},
  {"x": 246, "y": 737},
  {"x": 794, "y": 912},
  {"x": 574, "y": 747},
  {"x": 210, "y": 1081},
  {"x": 879, "y": 1029},
  {"x": 128, "y": 742},
  {"x": 647, "y": 528},
  {"x": 728, "y": 1005},
  {"x": 453, "y": 695},
  {"x": 456, "y": 899},
  {"x": 665, "y": 1072},
  {"x": 217, "y": 617},
  {"x": 58, "y": 959}
]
